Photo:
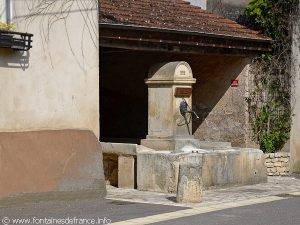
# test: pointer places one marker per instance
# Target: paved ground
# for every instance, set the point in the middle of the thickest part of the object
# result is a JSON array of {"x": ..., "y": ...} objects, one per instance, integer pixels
[
  {"x": 274, "y": 186},
  {"x": 272, "y": 203}
]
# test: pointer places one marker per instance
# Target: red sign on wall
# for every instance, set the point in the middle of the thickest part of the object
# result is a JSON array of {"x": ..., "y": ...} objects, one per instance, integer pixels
[
  {"x": 183, "y": 92},
  {"x": 235, "y": 83}
]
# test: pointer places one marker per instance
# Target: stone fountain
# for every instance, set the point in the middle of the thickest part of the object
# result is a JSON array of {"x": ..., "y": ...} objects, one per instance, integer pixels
[{"x": 170, "y": 143}]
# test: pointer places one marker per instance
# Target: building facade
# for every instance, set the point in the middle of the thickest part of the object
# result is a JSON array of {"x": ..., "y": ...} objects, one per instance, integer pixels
[
  {"x": 59, "y": 98},
  {"x": 217, "y": 49},
  {"x": 49, "y": 97}
]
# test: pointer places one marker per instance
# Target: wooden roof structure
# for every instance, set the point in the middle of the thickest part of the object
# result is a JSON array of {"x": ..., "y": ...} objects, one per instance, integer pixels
[{"x": 174, "y": 25}]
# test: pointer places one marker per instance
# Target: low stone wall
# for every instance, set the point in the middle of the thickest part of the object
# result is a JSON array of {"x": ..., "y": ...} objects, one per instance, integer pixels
[
  {"x": 119, "y": 159},
  {"x": 110, "y": 166},
  {"x": 158, "y": 170},
  {"x": 278, "y": 164}
]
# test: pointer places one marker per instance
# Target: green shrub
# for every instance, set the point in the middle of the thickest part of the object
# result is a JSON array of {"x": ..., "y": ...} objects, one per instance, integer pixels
[{"x": 270, "y": 99}]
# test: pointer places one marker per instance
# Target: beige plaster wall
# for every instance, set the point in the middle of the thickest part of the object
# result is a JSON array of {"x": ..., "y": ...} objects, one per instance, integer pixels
[
  {"x": 56, "y": 84},
  {"x": 295, "y": 132}
]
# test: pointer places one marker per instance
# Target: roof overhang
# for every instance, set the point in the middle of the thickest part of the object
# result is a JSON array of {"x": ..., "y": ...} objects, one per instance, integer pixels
[{"x": 157, "y": 39}]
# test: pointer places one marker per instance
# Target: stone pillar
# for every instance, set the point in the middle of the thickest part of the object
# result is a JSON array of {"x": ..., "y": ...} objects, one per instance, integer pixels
[
  {"x": 295, "y": 73},
  {"x": 168, "y": 84},
  {"x": 190, "y": 183},
  {"x": 126, "y": 172}
]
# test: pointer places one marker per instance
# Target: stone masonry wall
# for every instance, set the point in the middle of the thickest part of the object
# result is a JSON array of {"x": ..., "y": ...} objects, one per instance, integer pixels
[{"x": 278, "y": 164}]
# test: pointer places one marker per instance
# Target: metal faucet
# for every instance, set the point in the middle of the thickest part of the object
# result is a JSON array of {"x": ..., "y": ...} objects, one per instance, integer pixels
[{"x": 186, "y": 109}]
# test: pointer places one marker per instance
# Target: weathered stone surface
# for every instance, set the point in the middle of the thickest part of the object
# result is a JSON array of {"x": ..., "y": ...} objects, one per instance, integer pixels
[
  {"x": 171, "y": 144},
  {"x": 119, "y": 164},
  {"x": 275, "y": 160},
  {"x": 126, "y": 172},
  {"x": 272, "y": 170},
  {"x": 214, "y": 144},
  {"x": 219, "y": 168},
  {"x": 279, "y": 165},
  {"x": 119, "y": 148},
  {"x": 283, "y": 174},
  {"x": 163, "y": 168},
  {"x": 281, "y": 154},
  {"x": 281, "y": 169},
  {"x": 284, "y": 159},
  {"x": 164, "y": 106},
  {"x": 284, "y": 164},
  {"x": 110, "y": 165},
  {"x": 190, "y": 185}
]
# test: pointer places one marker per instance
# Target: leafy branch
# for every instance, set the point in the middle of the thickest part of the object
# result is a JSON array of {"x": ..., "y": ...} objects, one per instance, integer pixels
[{"x": 269, "y": 100}]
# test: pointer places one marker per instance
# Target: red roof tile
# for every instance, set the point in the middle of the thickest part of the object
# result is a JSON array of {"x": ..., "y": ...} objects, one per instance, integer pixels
[{"x": 171, "y": 14}]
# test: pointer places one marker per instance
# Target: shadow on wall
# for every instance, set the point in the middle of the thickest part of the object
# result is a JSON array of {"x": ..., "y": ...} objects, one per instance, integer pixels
[
  {"x": 14, "y": 59},
  {"x": 221, "y": 108}
]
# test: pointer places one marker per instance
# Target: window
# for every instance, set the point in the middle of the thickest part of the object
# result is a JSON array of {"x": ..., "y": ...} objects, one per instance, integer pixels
[{"x": 5, "y": 10}]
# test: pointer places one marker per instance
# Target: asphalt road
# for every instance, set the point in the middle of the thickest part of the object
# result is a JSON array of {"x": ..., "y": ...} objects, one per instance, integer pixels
[
  {"x": 83, "y": 208},
  {"x": 282, "y": 212}
]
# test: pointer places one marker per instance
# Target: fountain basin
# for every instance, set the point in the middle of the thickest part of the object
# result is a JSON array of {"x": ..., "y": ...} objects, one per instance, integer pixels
[{"x": 158, "y": 170}]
